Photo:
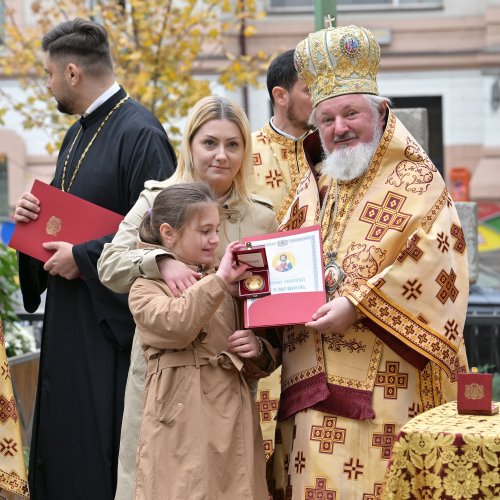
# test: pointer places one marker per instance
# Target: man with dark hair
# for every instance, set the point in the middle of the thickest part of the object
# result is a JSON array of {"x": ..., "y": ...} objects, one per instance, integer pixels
[
  {"x": 281, "y": 73},
  {"x": 105, "y": 158},
  {"x": 278, "y": 152}
]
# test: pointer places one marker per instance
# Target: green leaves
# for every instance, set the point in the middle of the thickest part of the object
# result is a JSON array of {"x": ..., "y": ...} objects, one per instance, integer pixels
[{"x": 9, "y": 284}]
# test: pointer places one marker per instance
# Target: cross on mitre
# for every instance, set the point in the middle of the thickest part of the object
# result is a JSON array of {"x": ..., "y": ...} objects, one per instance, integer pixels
[{"x": 328, "y": 20}]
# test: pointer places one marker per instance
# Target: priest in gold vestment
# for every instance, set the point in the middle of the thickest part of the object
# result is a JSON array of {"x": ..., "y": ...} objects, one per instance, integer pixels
[
  {"x": 279, "y": 161},
  {"x": 388, "y": 344}
]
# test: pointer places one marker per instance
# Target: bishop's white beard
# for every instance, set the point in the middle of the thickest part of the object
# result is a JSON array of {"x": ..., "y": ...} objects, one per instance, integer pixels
[{"x": 348, "y": 163}]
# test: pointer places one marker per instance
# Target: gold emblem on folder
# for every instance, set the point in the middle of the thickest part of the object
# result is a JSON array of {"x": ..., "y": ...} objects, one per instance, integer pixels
[{"x": 53, "y": 225}]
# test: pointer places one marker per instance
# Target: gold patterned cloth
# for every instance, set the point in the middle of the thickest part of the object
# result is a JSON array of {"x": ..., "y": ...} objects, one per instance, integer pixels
[
  {"x": 345, "y": 396},
  {"x": 443, "y": 455},
  {"x": 13, "y": 477},
  {"x": 279, "y": 163}
]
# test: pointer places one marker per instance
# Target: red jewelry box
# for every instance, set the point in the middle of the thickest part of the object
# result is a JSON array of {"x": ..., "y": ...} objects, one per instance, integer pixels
[
  {"x": 258, "y": 284},
  {"x": 475, "y": 394}
]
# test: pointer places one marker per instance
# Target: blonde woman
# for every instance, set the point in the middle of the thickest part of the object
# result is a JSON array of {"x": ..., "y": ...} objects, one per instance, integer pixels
[{"x": 216, "y": 149}]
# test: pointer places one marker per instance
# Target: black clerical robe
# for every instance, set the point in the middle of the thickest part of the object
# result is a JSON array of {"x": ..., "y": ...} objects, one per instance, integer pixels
[{"x": 88, "y": 329}]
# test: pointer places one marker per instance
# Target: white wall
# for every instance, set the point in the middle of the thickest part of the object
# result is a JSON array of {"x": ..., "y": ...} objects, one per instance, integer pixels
[
  {"x": 462, "y": 93},
  {"x": 491, "y": 117}
]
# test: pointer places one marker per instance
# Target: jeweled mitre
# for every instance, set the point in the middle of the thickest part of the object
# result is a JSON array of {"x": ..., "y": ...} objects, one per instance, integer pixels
[{"x": 338, "y": 61}]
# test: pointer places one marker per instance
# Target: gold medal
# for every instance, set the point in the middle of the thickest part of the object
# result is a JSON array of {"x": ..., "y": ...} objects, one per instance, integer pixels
[{"x": 254, "y": 283}]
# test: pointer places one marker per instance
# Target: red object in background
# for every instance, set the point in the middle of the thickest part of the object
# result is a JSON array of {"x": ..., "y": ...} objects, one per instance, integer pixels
[
  {"x": 474, "y": 395},
  {"x": 487, "y": 209},
  {"x": 459, "y": 178}
]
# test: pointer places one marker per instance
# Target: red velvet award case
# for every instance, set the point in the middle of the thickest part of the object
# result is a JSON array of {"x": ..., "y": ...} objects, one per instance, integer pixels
[
  {"x": 256, "y": 285},
  {"x": 475, "y": 394}
]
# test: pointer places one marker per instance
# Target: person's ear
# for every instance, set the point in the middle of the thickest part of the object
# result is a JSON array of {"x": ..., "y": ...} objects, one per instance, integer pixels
[
  {"x": 383, "y": 110},
  {"x": 73, "y": 73},
  {"x": 168, "y": 234},
  {"x": 280, "y": 95}
]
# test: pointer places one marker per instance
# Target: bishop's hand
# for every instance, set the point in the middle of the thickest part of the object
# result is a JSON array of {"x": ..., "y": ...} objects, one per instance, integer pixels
[{"x": 338, "y": 315}]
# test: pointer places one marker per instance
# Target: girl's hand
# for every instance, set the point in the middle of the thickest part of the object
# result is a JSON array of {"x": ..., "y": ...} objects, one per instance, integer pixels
[
  {"x": 229, "y": 270},
  {"x": 245, "y": 344}
]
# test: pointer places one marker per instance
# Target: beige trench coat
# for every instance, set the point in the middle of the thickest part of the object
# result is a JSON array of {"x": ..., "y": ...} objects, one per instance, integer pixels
[
  {"x": 121, "y": 263},
  {"x": 200, "y": 436}
]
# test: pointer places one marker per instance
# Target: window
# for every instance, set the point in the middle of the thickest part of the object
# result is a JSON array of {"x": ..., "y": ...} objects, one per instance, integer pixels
[{"x": 346, "y": 5}]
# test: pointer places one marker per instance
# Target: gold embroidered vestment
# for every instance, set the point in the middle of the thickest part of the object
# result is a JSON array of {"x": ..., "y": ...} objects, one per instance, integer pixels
[
  {"x": 401, "y": 246},
  {"x": 279, "y": 164}
]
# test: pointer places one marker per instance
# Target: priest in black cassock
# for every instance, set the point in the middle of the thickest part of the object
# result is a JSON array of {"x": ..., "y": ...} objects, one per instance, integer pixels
[{"x": 105, "y": 158}]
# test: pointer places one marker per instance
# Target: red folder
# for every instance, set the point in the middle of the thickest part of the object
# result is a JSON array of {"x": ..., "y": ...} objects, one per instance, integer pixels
[
  {"x": 62, "y": 217},
  {"x": 284, "y": 308}
]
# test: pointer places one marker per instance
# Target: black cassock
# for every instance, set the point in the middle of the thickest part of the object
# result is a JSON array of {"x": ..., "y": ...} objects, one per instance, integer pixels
[{"x": 88, "y": 329}]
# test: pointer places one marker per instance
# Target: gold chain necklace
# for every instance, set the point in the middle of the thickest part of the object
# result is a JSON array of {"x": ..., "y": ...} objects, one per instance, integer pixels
[
  {"x": 79, "y": 164},
  {"x": 334, "y": 274}
]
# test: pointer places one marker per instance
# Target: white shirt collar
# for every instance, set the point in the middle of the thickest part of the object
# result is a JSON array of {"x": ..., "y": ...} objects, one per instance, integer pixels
[
  {"x": 284, "y": 134},
  {"x": 102, "y": 98}
]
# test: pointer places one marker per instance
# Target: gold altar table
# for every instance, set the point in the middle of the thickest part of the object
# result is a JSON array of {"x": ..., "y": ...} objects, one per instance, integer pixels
[{"x": 443, "y": 455}]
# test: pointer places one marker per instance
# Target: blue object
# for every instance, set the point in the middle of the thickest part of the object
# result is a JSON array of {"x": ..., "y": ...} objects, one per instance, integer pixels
[{"x": 6, "y": 230}]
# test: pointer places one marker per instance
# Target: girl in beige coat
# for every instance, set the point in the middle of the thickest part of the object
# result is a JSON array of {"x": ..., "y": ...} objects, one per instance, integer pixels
[{"x": 200, "y": 436}]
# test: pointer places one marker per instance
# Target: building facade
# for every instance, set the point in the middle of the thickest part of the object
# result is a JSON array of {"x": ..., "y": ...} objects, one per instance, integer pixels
[{"x": 443, "y": 55}]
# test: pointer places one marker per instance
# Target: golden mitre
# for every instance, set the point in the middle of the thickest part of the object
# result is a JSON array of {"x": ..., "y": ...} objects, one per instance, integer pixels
[{"x": 338, "y": 61}]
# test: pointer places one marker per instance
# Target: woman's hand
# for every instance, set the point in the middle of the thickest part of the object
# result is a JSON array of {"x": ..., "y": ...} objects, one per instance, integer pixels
[
  {"x": 229, "y": 270},
  {"x": 177, "y": 275},
  {"x": 245, "y": 344}
]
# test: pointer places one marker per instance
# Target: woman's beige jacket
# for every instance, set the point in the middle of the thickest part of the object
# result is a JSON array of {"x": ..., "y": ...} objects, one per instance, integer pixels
[{"x": 121, "y": 263}]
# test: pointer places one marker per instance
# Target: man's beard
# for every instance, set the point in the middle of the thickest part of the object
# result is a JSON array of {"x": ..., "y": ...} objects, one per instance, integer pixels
[
  {"x": 65, "y": 101},
  {"x": 295, "y": 121},
  {"x": 64, "y": 108},
  {"x": 348, "y": 163}
]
